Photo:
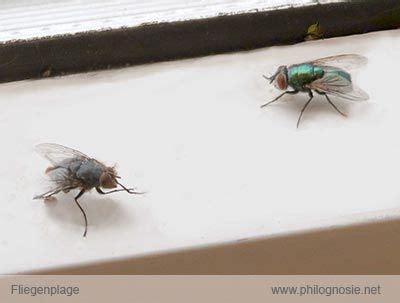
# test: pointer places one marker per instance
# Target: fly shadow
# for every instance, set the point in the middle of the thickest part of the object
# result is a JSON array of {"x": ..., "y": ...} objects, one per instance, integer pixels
[{"x": 102, "y": 213}]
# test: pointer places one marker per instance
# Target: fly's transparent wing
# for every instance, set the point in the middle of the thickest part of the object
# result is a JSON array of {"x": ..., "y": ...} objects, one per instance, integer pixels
[
  {"x": 346, "y": 62},
  {"x": 61, "y": 178},
  {"x": 338, "y": 83},
  {"x": 56, "y": 153}
]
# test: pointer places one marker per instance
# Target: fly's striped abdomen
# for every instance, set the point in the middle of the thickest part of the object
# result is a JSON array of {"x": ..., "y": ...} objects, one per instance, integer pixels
[{"x": 300, "y": 75}]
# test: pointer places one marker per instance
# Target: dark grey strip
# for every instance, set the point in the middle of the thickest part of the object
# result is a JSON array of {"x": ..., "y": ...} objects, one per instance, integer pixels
[{"x": 97, "y": 50}]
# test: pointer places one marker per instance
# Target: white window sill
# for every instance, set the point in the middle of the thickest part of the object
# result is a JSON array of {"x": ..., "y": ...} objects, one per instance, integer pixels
[{"x": 216, "y": 167}]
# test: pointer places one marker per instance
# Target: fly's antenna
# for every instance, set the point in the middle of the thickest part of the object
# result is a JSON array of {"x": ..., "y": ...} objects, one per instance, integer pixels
[
  {"x": 129, "y": 190},
  {"x": 272, "y": 78},
  {"x": 281, "y": 68}
]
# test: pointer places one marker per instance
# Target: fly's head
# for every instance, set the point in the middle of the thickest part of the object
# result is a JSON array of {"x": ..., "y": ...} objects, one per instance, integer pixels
[
  {"x": 108, "y": 178},
  {"x": 280, "y": 78}
]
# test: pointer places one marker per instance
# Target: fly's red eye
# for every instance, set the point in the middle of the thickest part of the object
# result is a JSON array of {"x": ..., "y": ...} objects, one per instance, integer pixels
[
  {"x": 281, "y": 82},
  {"x": 107, "y": 181}
]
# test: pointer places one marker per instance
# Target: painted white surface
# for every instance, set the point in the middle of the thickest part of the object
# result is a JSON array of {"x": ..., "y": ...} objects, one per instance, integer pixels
[
  {"x": 27, "y": 19},
  {"x": 216, "y": 166}
]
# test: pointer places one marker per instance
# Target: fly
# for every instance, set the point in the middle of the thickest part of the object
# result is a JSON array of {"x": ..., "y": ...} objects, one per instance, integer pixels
[
  {"x": 70, "y": 169},
  {"x": 325, "y": 76}
]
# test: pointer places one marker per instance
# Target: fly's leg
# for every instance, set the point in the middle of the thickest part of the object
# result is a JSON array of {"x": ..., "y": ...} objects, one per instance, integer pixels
[
  {"x": 129, "y": 190},
  {"x": 80, "y": 207},
  {"x": 51, "y": 193},
  {"x": 292, "y": 92},
  {"x": 333, "y": 105},
  {"x": 304, "y": 107},
  {"x": 47, "y": 194}
]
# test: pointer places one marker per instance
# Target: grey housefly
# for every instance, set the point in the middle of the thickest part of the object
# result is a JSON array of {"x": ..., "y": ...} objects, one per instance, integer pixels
[{"x": 72, "y": 169}]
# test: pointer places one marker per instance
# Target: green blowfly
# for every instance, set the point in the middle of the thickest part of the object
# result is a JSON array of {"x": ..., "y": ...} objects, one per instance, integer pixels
[{"x": 325, "y": 76}]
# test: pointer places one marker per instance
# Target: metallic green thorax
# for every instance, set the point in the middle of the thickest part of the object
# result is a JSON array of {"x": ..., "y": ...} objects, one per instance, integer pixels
[{"x": 300, "y": 75}]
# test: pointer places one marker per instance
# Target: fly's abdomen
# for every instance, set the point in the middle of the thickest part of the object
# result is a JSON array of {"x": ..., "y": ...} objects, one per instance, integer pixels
[
  {"x": 339, "y": 73},
  {"x": 302, "y": 74}
]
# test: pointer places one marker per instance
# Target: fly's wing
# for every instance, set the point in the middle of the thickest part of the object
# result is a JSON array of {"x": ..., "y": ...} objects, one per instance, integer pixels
[
  {"x": 335, "y": 83},
  {"x": 346, "y": 62},
  {"x": 56, "y": 153}
]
